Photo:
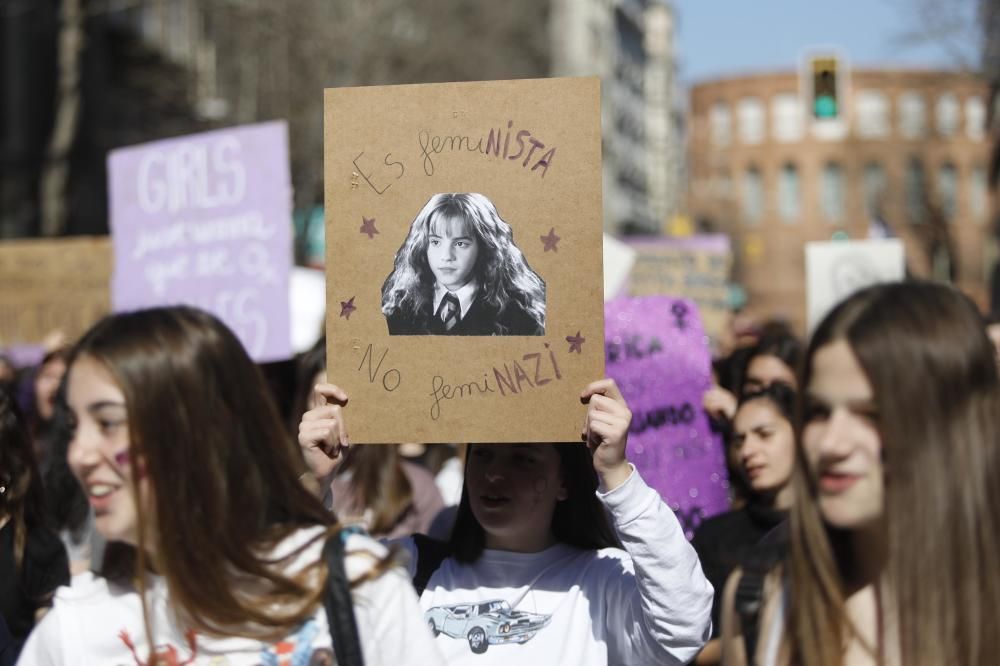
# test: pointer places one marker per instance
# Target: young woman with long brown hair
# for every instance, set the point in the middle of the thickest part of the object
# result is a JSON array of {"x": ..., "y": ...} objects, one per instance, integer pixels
[
  {"x": 195, "y": 484},
  {"x": 895, "y": 530}
]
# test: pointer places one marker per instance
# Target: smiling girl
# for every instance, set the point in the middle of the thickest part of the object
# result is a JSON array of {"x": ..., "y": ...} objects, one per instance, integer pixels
[
  {"x": 215, "y": 546},
  {"x": 459, "y": 273},
  {"x": 560, "y": 553},
  {"x": 894, "y": 529}
]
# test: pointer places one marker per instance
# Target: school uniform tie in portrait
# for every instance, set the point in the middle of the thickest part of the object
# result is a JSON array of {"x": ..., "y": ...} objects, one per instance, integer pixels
[{"x": 450, "y": 312}]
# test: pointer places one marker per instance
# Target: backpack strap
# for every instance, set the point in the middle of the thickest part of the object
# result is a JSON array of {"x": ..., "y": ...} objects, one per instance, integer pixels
[
  {"x": 749, "y": 595},
  {"x": 339, "y": 604},
  {"x": 758, "y": 563},
  {"x": 430, "y": 554}
]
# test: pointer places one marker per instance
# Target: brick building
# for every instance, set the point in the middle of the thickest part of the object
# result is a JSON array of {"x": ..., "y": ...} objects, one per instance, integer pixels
[{"x": 905, "y": 154}]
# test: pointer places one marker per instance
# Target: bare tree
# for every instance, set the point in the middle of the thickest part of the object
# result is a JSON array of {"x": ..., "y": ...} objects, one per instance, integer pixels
[
  {"x": 953, "y": 26},
  {"x": 55, "y": 173}
]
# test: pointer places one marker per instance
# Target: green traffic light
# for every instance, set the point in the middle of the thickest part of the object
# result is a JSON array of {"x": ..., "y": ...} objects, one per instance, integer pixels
[{"x": 825, "y": 106}]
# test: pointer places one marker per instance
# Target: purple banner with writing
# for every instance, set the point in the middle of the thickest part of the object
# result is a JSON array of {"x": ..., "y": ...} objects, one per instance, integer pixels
[
  {"x": 658, "y": 354},
  {"x": 205, "y": 220}
]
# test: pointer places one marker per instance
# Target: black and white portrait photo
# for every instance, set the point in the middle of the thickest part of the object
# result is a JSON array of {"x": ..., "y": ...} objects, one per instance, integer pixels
[{"x": 459, "y": 273}]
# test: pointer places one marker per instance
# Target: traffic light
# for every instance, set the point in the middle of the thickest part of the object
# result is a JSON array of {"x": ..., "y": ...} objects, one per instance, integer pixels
[{"x": 825, "y": 101}]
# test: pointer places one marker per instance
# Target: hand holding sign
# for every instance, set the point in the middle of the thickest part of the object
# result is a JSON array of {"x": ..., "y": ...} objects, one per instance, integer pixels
[
  {"x": 606, "y": 431},
  {"x": 323, "y": 432}
]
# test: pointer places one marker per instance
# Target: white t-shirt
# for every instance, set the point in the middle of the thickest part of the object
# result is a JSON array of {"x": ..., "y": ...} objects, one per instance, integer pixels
[
  {"x": 649, "y": 605},
  {"x": 96, "y": 622}
]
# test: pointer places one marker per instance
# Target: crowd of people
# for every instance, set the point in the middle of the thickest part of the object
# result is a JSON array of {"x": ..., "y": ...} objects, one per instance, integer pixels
[{"x": 149, "y": 465}]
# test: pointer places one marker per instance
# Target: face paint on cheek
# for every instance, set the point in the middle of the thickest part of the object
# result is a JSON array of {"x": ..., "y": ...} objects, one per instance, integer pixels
[{"x": 124, "y": 459}]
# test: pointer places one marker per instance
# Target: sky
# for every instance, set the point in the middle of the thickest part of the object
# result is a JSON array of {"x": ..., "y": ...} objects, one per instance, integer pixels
[{"x": 717, "y": 38}]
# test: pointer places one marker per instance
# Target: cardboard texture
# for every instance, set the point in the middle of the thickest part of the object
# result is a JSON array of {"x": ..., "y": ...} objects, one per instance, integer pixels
[
  {"x": 54, "y": 284},
  {"x": 658, "y": 354},
  {"x": 206, "y": 220},
  {"x": 695, "y": 267},
  {"x": 530, "y": 148},
  {"x": 836, "y": 269}
]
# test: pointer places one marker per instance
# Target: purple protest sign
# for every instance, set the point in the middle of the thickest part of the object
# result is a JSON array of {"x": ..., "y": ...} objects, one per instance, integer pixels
[
  {"x": 658, "y": 354},
  {"x": 205, "y": 220}
]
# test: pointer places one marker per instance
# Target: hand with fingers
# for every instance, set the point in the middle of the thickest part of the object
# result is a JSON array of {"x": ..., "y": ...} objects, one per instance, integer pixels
[
  {"x": 606, "y": 431},
  {"x": 719, "y": 403},
  {"x": 322, "y": 431}
]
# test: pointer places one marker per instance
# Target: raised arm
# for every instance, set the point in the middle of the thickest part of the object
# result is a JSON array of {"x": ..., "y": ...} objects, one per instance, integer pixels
[{"x": 661, "y": 611}]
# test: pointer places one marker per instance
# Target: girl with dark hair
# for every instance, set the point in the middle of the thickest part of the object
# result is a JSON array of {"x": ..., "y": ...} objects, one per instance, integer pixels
[
  {"x": 895, "y": 527},
  {"x": 763, "y": 443},
  {"x": 32, "y": 560},
  {"x": 774, "y": 358},
  {"x": 560, "y": 553},
  {"x": 45, "y": 382},
  {"x": 215, "y": 546},
  {"x": 459, "y": 273}
]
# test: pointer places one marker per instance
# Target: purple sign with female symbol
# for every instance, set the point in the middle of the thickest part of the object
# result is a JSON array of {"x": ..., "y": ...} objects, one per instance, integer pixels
[
  {"x": 205, "y": 220},
  {"x": 658, "y": 354}
]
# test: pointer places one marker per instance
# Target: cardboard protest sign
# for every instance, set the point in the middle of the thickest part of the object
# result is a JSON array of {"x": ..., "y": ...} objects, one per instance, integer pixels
[
  {"x": 205, "y": 220},
  {"x": 695, "y": 267},
  {"x": 658, "y": 354},
  {"x": 464, "y": 258},
  {"x": 836, "y": 269},
  {"x": 59, "y": 284}
]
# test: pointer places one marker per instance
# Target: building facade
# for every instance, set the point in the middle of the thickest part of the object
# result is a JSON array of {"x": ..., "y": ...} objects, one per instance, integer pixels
[
  {"x": 630, "y": 45},
  {"x": 904, "y": 154}
]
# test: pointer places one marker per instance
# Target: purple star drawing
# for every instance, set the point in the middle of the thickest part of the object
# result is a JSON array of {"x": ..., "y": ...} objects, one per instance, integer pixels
[
  {"x": 575, "y": 343},
  {"x": 551, "y": 241},
  {"x": 368, "y": 227},
  {"x": 347, "y": 307}
]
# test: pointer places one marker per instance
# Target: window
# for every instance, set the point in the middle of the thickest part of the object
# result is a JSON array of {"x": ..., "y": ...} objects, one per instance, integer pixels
[
  {"x": 912, "y": 115},
  {"x": 788, "y": 193},
  {"x": 786, "y": 117},
  {"x": 914, "y": 191},
  {"x": 947, "y": 190},
  {"x": 832, "y": 193},
  {"x": 948, "y": 114},
  {"x": 720, "y": 124},
  {"x": 977, "y": 193},
  {"x": 751, "y": 119},
  {"x": 975, "y": 118},
  {"x": 873, "y": 114},
  {"x": 753, "y": 195},
  {"x": 873, "y": 184}
]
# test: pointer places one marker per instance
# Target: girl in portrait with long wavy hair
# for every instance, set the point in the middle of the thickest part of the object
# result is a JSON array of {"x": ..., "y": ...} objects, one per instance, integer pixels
[{"x": 459, "y": 273}]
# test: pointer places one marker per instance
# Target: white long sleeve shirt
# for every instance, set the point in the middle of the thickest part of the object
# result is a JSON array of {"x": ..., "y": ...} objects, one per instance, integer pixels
[
  {"x": 649, "y": 604},
  {"x": 96, "y": 622}
]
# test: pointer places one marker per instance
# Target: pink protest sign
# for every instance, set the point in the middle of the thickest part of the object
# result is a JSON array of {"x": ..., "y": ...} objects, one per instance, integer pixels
[
  {"x": 205, "y": 220},
  {"x": 657, "y": 352}
]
